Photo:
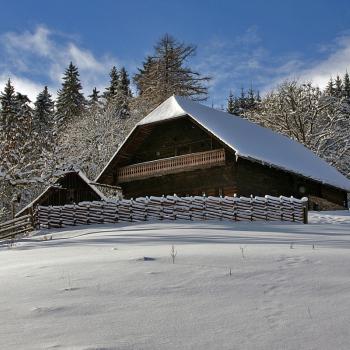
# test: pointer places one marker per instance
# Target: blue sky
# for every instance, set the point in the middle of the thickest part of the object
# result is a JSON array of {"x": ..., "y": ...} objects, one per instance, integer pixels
[{"x": 239, "y": 42}]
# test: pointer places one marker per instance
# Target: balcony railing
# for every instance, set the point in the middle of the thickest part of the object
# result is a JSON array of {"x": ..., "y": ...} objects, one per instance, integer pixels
[{"x": 171, "y": 165}]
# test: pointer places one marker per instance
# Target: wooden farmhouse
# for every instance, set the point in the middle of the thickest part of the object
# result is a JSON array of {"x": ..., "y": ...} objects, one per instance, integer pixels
[
  {"x": 186, "y": 148},
  {"x": 72, "y": 187}
]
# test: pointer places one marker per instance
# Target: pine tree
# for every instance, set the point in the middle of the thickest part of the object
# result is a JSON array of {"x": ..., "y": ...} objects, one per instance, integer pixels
[
  {"x": 124, "y": 82},
  {"x": 164, "y": 74},
  {"x": 123, "y": 94},
  {"x": 112, "y": 89},
  {"x": 70, "y": 100},
  {"x": 24, "y": 113},
  {"x": 231, "y": 103},
  {"x": 241, "y": 102},
  {"x": 8, "y": 106},
  {"x": 330, "y": 90},
  {"x": 20, "y": 151},
  {"x": 346, "y": 86},
  {"x": 338, "y": 87},
  {"x": 43, "y": 112},
  {"x": 250, "y": 100},
  {"x": 94, "y": 99},
  {"x": 257, "y": 97}
]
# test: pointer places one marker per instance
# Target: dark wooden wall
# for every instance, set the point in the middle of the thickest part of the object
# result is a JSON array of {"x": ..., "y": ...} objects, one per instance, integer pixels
[
  {"x": 334, "y": 195},
  {"x": 211, "y": 181},
  {"x": 73, "y": 190},
  {"x": 173, "y": 138},
  {"x": 258, "y": 179},
  {"x": 243, "y": 177}
]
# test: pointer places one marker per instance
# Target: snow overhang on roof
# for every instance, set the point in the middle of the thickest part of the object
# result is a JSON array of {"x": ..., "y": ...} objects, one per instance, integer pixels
[{"x": 249, "y": 140}]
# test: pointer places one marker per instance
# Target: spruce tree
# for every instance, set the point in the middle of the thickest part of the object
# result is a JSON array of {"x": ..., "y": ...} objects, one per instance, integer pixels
[
  {"x": 164, "y": 74},
  {"x": 23, "y": 125},
  {"x": 242, "y": 102},
  {"x": 8, "y": 106},
  {"x": 112, "y": 89},
  {"x": 43, "y": 111},
  {"x": 330, "y": 90},
  {"x": 250, "y": 100},
  {"x": 338, "y": 90},
  {"x": 346, "y": 86},
  {"x": 70, "y": 100},
  {"x": 124, "y": 82},
  {"x": 231, "y": 103},
  {"x": 94, "y": 99},
  {"x": 257, "y": 97},
  {"x": 123, "y": 94},
  {"x": 19, "y": 146}
]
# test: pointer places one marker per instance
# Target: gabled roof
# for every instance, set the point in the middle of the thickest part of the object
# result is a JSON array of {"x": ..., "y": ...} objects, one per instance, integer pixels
[
  {"x": 55, "y": 185},
  {"x": 248, "y": 140}
]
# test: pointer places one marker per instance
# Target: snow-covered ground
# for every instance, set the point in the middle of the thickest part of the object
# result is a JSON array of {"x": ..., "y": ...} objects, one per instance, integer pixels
[{"x": 92, "y": 288}]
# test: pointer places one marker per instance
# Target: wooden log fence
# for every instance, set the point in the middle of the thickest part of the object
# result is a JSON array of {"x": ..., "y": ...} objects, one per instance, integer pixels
[
  {"x": 21, "y": 225},
  {"x": 266, "y": 208}
]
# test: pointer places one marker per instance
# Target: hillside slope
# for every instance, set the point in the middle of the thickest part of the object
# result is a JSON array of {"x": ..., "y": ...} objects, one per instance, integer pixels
[{"x": 92, "y": 287}]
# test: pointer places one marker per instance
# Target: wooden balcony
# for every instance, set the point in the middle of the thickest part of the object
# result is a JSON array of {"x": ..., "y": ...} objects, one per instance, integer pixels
[{"x": 171, "y": 165}]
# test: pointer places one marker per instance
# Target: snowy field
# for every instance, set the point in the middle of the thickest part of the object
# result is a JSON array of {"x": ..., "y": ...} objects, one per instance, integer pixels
[{"x": 92, "y": 288}]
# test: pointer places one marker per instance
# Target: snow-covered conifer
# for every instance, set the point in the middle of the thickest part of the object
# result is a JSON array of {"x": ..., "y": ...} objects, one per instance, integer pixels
[
  {"x": 112, "y": 89},
  {"x": 231, "y": 103},
  {"x": 43, "y": 112},
  {"x": 338, "y": 89},
  {"x": 70, "y": 100},
  {"x": 94, "y": 99},
  {"x": 164, "y": 74},
  {"x": 346, "y": 86}
]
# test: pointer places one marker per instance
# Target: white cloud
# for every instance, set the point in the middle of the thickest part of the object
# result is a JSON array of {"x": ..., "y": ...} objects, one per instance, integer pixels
[
  {"x": 337, "y": 62},
  {"x": 233, "y": 63},
  {"x": 43, "y": 55},
  {"x": 37, "y": 58},
  {"x": 23, "y": 85},
  {"x": 37, "y": 42},
  {"x": 244, "y": 60}
]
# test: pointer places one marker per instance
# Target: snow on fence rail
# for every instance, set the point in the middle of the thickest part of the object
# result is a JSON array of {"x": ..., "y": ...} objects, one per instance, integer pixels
[{"x": 266, "y": 208}]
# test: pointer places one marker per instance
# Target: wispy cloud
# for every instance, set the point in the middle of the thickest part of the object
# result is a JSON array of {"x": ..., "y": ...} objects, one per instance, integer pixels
[
  {"x": 336, "y": 62},
  {"x": 244, "y": 60},
  {"x": 42, "y": 55},
  {"x": 38, "y": 57},
  {"x": 23, "y": 85},
  {"x": 234, "y": 63}
]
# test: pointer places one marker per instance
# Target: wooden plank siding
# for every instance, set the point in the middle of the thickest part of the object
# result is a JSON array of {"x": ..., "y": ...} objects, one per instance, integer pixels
[
  {"x": 213, "y": 181},
  {"x": 70, "y": 189}
]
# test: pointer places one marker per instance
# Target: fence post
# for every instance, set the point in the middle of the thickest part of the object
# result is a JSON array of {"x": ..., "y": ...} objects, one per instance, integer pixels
[
  {"x": 32, "y": 217},
  {"x": 305, "y": 209},
  {"x": 235, "y": 206},
  {"x": 251, "y": 207}
]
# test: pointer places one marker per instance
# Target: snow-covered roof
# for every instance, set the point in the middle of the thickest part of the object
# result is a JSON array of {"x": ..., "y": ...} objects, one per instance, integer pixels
[
  {"x": 42, "y": 194},
  {"x": 250, "y": 141}
]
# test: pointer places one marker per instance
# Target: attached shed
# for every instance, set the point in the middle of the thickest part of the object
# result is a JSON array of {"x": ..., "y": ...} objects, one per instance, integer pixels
[
  {"x": 186, "y": 148},
  {"x": 71, "y": 187}
]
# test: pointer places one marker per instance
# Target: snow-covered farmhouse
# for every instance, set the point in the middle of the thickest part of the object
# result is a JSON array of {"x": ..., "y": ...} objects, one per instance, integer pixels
[{"x": 186, "y": 148}]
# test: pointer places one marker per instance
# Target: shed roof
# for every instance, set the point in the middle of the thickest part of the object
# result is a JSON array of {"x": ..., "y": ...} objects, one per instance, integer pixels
[
  {"x": 47, "y": 189},
  {"x": 248, "y": 140}
]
